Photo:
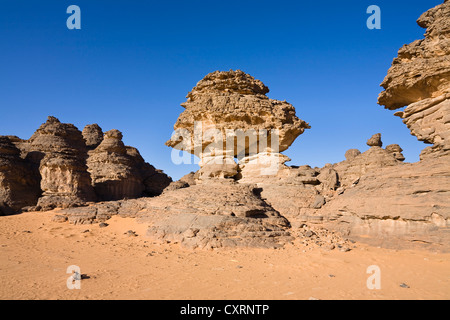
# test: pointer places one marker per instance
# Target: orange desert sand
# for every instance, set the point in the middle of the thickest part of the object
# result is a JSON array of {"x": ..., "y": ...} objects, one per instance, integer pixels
[{"x": 35, "y": 254}]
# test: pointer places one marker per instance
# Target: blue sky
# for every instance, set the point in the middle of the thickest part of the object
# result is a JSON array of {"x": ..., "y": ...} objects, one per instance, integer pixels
[{"x": 133, "y": 62}]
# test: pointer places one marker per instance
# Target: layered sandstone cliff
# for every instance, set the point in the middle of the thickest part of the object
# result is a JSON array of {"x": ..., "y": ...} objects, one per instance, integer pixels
[
  {"x": 59, "y": 166},
  {"x": 408, "y": 204},
  {"x": 19, "y": 183},
  {"x": 61, "y": 153},
  {"x": 419, "y": 79}
]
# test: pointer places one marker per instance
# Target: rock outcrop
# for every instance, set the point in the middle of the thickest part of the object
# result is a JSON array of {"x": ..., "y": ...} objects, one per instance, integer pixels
[
  {"x": 154, "y": 180},
  {"x": 216, "y": 214},
  {"x": 396, "y": 151},
  {"x": 395, "y": 206},
  {"x": 385, "y": 201},
  {"x": 227, "y": 116},
  {"x": 298, "y": 192},
  {"x": 244, "y": 194},
  {"x": 358, "y": 164},
  {"x": 119, "y": 172},
  {"x": 19, "y": 184},
  {"x": 53, "y": 166},
  {"x": 212, "y": 215},
  {"x": 375, "y": 141},
  {"x": 113, "y": 173},
  {"x": 420, "y": 79},
  {"x": 92, "y": 135},
  {"x": 60, "y": 151}
]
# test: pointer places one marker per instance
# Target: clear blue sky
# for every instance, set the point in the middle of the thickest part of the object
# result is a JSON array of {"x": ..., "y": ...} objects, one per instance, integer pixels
[{"x": 133, "y": 62}]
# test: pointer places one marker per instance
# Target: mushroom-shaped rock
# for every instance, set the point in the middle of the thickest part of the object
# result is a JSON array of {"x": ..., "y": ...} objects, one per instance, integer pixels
[{"x": 228, "y": 115}]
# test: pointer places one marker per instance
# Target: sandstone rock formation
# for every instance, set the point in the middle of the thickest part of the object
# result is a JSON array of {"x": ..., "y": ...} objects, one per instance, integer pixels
[
  {"x": 396, "y": 151},
  {"x": 119, "y": 172},
  {"x": 59, "y": 150},
  {"x": 375, "y": 141},
  {"x": 112, "y": 170},
  {"x": 207, "y": 215},
  {"x": 53, "y": 164},
  {"x": 258, "y": 201},
  {"x": 228, "y": 115},
  {"x": 154, "y": 180},
  {"x": 299, "y": 192},
  {"x": 351, "y": 154},
  {"x": 397, "y": 204},
  {"x": 420, "y": 79},
  {"x": 92, "y": 135},
  {"x": 19, "y": 184},
  {"x": 358, "y": 164}
]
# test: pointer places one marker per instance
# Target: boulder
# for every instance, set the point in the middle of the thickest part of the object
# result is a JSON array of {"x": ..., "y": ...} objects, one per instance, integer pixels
[{"x": 375, "y": 141}]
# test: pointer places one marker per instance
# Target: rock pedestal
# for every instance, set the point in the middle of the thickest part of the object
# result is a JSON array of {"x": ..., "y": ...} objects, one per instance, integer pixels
[{"x": 228, "y": 115}]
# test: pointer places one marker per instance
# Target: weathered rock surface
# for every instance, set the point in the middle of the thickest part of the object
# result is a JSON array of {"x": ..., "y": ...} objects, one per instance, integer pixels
[
  {"x": 211, "y": 215},
  {"x": 56, "y": 158},
  {"x": 119, "y": 172},
  {"x": 375, "y": 141},
  {"x": 396, "y": 151},
  {"x": 113, "y": 173},
  {"x": 215, "y": 215},
  {"x": 396, "y": 206},
  {"x": 102, "y": 211},
  {"x": 420, "y": 79},
  {"x": 292, "y": 191},
  {"x": 207, "y": 215},
  {"x": 351, "y": 154},
  {"x": 225, "y": 108},
  {"x": 60, "y": 151},
  {"x": 358, "y": 164},
  {"x": 92, "y": 135},
  {"x": 19, "y": 184},
  {"x": 155, "y": 180}
]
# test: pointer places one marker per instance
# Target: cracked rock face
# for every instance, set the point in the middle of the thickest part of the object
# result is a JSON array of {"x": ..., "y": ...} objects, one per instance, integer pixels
[
  {"x": 59, "y": 150},
  {"x": 119, "y": 172},
  {"x": 419, "y": 78},
  {"x": 396, "y": 206},
  {"x": 56, "y": 163},
  {"x": 112, "y": 170},
  {"x": 218, "y": 214},
  {"x": 19, "y": 184},
  {"x": 92, "y": 135},
  {"x": 225, "y": 107},
  {"x": 358, "y": 164}
]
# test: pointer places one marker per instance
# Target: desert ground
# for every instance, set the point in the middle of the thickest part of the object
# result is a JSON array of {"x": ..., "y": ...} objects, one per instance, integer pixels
[{"x": 36, "y": 252}]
